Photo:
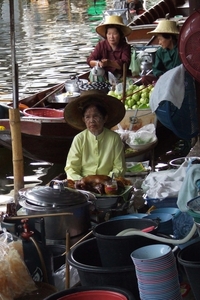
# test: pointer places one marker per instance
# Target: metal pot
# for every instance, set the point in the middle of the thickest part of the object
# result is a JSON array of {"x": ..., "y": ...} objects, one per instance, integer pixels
[
  {"x": 72, "y": 86},
  {"x": 56, "y": 199},
  {"x": 145, "y": 66}
]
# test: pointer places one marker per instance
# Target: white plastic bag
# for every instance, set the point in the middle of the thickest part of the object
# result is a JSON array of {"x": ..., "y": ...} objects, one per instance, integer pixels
[
  {"x": 144, "y": 135},
  {"x": 15, "y": 280}
]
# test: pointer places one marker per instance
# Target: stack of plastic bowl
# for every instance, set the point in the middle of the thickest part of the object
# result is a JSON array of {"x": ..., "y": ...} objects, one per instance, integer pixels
[{"x": 156, "y": 273}]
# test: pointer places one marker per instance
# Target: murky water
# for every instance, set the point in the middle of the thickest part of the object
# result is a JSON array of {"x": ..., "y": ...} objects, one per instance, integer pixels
[{"x": 52, "y": 40}]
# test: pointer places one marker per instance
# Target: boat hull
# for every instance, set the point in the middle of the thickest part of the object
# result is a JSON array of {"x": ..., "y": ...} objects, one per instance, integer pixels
[{"x": 40, "y": 141}]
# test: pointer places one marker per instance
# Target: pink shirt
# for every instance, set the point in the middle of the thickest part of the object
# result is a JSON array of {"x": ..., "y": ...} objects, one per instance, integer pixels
[{"x": 122, "y": 55}]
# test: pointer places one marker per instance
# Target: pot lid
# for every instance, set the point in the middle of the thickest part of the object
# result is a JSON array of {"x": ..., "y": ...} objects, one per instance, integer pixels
[
  {"x": 47, "y": 196},
  {"x": 189, "y": 44}
]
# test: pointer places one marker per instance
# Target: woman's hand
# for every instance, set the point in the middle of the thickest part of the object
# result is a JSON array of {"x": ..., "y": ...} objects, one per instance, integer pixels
[{"x": 104, "y": 63}]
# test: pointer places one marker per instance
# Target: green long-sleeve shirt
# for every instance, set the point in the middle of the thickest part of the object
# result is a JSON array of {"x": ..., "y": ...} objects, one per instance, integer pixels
[
  {"x": 95, "y": 155},
  {"x": 165, "y": 60}
]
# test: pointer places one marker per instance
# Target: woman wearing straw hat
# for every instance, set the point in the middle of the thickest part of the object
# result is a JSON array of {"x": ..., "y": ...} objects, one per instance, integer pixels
[
  {"x": 167, "y": 56},
  {"x": 96, "y": 150},
  {"x": 113, "y": 51}
]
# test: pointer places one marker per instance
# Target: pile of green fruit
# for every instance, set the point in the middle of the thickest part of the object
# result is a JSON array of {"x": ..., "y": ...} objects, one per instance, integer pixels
[{"x": 137, "y": 97}]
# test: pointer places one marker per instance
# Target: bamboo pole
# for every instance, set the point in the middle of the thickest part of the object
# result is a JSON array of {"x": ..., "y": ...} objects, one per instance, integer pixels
[
  {"x": 67, "y": 282},
  {"x": 14, "y": 116},
  {"x": 17, "y": 155}
]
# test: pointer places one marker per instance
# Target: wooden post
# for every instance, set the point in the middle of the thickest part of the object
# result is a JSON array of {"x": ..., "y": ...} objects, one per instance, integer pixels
[
  {"x": 67, "y": 282},
  {"x": 124, "y": 83}
]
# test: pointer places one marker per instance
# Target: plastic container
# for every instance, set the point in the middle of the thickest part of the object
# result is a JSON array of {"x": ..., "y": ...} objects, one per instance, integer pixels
[
  {"x": 164, "y": 220},
  {"x": 160, "y": 203},
  {"x": 189, "y": 258},
  {"x": 44, "y": 113},
  {"x": 86, "y": 259},
  {"x": 130, "y": 216},
  {"x": 90, "y": 293},
  {"x": 175, "y": 212},
  {"x": 57, "y": 255},
  {"x": 115, "y": 250}
]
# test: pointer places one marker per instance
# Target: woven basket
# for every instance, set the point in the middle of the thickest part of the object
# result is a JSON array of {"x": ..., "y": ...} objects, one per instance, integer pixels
[{"x": 183, "y": 122}]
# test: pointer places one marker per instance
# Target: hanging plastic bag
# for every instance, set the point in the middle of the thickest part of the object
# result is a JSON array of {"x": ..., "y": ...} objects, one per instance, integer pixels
[
  {"x": 135, "y": 64},
  {"x": 15, "y": 280}
]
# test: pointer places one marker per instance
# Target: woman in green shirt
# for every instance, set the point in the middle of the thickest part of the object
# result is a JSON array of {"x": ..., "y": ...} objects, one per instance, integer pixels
[
  {"x": 167, "y": 56},
  {"x": 97, "y": 150}
]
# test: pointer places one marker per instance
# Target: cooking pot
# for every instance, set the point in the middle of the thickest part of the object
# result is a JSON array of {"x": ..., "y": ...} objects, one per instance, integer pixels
[
  {"x": 72, "y": 85},
  {"x": 54, "y": 199}
]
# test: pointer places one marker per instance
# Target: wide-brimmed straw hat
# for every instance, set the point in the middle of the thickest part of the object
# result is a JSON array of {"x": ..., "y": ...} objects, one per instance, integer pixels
[
  {"x": 165, "y": 26},
  {"x": 74, "y": 110},
  {"x": 113, "y": 20}
]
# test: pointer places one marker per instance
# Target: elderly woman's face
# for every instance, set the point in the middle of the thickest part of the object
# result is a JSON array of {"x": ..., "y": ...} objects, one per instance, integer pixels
[
  {"x": 94, "y": 120},
  {"x": 113, "y": 36}
]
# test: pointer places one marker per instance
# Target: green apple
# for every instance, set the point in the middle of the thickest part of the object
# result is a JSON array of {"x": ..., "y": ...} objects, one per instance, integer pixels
[
  {"x": 143, "y": 101},
  {"x": 130, "y": 103},
  {"x": 136, "y": 97},
  {"x": 134, "y": 107},
  {"x": 128, "y": 92},
  {"x": 145, "y": 94},
  {"x": 112, "y": 93},
  {"x": 128, "y": 98}
]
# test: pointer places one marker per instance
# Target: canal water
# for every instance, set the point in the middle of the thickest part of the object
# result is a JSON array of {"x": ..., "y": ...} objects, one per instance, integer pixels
[{"x": 52, "y": 40}]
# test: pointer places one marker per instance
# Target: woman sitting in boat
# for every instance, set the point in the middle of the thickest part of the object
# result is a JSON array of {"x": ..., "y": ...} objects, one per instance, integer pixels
[
  {"x": 166, "y": 59},
  {"x": 113, "y": 51},
  {"x": 97, "y": 150},
  {"x": 167, "y": 56}
]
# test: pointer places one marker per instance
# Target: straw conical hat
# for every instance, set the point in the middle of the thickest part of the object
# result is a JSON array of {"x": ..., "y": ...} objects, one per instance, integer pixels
[
  {"x": 73, "y": 110},
  {"x": 166, "y": 26},
  {"x": 113, "y": 20}
]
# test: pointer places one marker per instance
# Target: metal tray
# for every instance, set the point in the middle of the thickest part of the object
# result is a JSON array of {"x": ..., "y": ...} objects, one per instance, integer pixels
[{"x": 64, "y": 98}]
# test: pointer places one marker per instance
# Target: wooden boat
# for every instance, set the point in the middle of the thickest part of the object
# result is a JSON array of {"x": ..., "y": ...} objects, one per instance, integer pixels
[
  {"x": 41, "y": 141},
  {"x": 147, "y": 21},
  {"x": 50, "y": 140}
]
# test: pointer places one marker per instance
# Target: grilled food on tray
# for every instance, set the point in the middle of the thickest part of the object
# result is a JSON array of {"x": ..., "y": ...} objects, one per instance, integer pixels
[{"x": 96, "y": 183}]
